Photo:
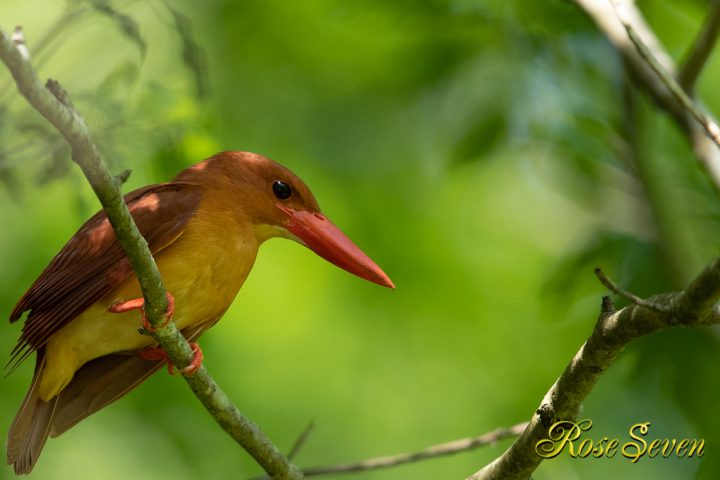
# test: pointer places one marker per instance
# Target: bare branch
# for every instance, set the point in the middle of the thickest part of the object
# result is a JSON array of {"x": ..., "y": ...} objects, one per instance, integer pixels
[
  {"x": 300, "y": 442},
  {"x": 435, "y": 451},
  {"x": 441, "y": 450},
  {"x": 603, "y": 14},
  {"x": 710, "y": 127},
  {"x": 701, "y": 49},
  {"x": 695, "y": 306},
  {"x": 54, "y": 104},
  {"x": 615, "y": 288},
  {"x": 653, "y": 70}
]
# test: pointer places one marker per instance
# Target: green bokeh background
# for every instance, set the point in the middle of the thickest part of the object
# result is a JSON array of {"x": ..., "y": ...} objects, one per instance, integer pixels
[{"x": 477, "y": 150}]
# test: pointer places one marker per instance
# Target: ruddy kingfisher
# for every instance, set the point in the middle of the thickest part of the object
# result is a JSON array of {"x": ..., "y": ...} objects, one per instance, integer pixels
[{"x": 204, "y": 229}]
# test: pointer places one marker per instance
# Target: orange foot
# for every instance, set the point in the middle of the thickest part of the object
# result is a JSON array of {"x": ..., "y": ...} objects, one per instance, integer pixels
[
  {"x": 157, "y": 353},
  {"x": 139, "y": 303}
]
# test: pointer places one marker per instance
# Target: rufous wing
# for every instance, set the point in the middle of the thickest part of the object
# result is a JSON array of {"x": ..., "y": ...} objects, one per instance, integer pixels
[{"x": 92, "y": 263}]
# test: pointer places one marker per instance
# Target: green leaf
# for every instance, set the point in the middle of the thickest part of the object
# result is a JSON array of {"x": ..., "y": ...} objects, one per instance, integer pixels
[
  {"x": 126, "y": 24},
  {"x": 192, "y": 53}
]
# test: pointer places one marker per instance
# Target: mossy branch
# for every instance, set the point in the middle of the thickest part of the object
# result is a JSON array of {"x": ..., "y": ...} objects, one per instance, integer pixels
[
  {"x": 614, "y": 330},
  {"x": 53, "y": 103}
]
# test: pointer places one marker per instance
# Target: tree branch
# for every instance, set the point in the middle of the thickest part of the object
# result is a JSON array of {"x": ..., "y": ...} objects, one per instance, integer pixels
[
  {"x": 603, "y": 14},
  {"x": 441, "y": 450},
  {"x": 615, "y": 288},
  {"x": 653, "y": 70},
  {"x": 53, "y": 103},
  {"x": 614, "y": 330},
  {"x": 701, "y": 49},
  {"x": 710, "y": 127},
  {"x": 300, "y": 442}
]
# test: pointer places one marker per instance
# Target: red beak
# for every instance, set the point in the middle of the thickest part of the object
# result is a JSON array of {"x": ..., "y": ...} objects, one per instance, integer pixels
[{"x": 322, "y": 237}]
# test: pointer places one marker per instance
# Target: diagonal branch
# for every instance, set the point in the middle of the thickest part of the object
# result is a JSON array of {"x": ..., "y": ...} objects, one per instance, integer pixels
[
  {"x": 53, "y": 103},
  {"x": 710, "y": 127},
  {"x": 614, "y": 330},
  {"x": 300, "y": 442},
  {"x": 602, "y": 12},
  {"x": 701, "y": 49}
]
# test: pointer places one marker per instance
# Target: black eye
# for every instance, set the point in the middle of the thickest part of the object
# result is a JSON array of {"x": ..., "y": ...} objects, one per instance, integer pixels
[{"x": 281, "y": 189}]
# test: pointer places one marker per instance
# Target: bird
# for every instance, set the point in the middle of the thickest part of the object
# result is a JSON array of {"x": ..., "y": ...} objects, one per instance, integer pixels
[{"x": 203, "y": 228}]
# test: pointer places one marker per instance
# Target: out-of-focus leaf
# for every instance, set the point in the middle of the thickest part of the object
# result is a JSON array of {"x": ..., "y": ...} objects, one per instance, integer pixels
[
  {"x": 482, "y": 138},
  {"x": 57, "y": 165},
  {"x": 126, "y": 24},
  {"x": 34, "y": 128},
  {"x": 8, "y": 177},
  {"x": 45, "y": 148},
  {"x": 124, "y": 75},
  {"x": 192, "y": 53},
  {"x": 687, "y": 370}
]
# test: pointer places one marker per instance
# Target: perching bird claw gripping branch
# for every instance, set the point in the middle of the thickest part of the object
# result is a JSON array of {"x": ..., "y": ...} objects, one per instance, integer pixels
[{"x": 54, "y": 104}]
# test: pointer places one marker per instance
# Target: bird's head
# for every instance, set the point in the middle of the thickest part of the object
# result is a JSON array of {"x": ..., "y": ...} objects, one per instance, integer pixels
[{"x": 279, "y": 204}]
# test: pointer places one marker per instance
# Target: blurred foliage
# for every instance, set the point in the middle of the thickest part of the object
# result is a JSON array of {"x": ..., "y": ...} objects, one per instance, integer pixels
[{"x": 488, "y": 154}]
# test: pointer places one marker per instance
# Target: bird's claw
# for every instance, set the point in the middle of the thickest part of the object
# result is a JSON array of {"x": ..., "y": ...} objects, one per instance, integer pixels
[
  {"x": 194, "y": 364},
  {"x": 139, "y": 304},
  {"x": 153, "y": 353},
  {"x": 157, "y": 353}
]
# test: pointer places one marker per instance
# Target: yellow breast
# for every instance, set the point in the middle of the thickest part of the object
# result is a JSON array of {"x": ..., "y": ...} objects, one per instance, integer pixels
[{"x": 203, "y": 269}]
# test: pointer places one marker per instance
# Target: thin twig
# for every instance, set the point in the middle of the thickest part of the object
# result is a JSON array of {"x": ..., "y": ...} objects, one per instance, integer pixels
[
  {"x": 701, "y": 49},
  {"x": 613, "y": 331},
  {"x": 300, "y": 442},
  {"x": 710, "y": 127},
  {"x": 615, "y": 288},
  {"x": 435, "y": 451},
  {"x": 444, "y": 449},
  {"x": 53, "y": 103}
]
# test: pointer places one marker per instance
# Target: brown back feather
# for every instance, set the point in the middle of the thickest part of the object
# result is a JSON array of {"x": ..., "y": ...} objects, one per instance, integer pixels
[{"x": 92, "y": 263}]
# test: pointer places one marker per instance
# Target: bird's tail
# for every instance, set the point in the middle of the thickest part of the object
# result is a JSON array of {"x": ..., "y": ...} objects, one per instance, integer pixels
[
  {"x": 31, "y": 426},
  {"x": 95, "y": 385}
]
